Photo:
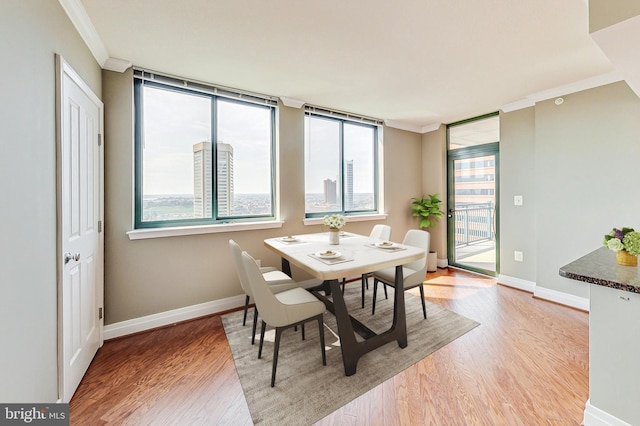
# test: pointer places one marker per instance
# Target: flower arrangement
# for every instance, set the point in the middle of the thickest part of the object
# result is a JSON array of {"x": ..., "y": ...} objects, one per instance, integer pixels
[
  {"x": 334, "y": 221},
  {"x": 623, "y": 239}
]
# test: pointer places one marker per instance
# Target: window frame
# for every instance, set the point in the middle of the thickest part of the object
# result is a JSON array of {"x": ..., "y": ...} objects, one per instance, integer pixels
[
  {"x": 342, "y": 119},
  {"x": 141, "y": 79}
]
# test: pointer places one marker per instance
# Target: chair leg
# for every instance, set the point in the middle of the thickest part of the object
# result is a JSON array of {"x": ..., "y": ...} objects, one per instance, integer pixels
[
  {"x": 424, "y": 308},
  {"x": 364, "y": 282},
  {"x": 321, "y": 333},
  {"x": 302, "y": 327},
  {"x": 264, "y": 325},
  {"x": 375, "y": 291},
  {"x": 246, "y": 308},
  {"x": 276, "y": 347},
  {"x": 386, "y": 296},
  {"x": 255, "y": 323},
  {"x": 344, "y": 281}
]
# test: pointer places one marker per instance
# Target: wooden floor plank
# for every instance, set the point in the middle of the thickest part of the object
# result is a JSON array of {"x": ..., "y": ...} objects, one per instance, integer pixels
[{"x": 527, "y": 363}]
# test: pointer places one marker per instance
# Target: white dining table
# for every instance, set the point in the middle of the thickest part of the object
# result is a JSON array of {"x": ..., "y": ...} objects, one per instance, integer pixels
[{"x": 358, "y": 255}]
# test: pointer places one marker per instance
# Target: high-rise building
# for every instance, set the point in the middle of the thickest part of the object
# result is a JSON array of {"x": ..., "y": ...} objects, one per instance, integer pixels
[
  {"x": 349, "y": 186},
  {"x": 202, "y": 174},
  {"x": 330, "y": 192},
  {"x": 225, "y": 179}
]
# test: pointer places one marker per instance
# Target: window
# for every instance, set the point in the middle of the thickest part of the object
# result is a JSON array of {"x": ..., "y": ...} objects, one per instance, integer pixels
[
  {"x": 341, "y": 163},
  {"x": 201, "y": 157}
]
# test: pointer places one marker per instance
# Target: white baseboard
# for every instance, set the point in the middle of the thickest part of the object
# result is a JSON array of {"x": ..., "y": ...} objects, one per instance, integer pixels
[
  {"x": 443, "y": 263},
  {"x": 577, "y": 302},
  {"x": 173, "y": 316},
  {"x": 596, "y": 417},
  {"x": 518, "y": 283},
  {"x": 160, "y": 319},
  {"x": 570, "y": 300}
]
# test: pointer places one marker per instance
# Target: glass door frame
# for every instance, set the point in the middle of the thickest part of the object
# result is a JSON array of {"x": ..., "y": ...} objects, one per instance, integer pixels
[{"x": 466, "y": 153}]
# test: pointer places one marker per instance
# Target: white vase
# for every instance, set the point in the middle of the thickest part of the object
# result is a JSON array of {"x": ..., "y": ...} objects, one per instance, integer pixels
[{"x": 334, "y": 236}]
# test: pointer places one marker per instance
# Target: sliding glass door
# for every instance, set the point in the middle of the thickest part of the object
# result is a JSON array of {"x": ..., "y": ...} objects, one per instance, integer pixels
[{"x": 473, "y": 159}]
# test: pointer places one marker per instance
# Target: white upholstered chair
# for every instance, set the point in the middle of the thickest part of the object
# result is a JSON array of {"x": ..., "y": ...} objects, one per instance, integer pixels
[
  {"x": 413, "y": 273},
  {"x": 276, "y": 280},
  {"x": 380, "y": 232},
  {"x": 282, "y": 310}
]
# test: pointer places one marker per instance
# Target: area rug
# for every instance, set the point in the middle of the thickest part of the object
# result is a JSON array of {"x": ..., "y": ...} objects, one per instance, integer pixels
[{"x": 305, "y": 390}]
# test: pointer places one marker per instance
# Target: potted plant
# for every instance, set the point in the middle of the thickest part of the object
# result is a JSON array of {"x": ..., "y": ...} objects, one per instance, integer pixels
[
  {"x": 428, "y": 210},
  {"x": 626, "y": 243}
]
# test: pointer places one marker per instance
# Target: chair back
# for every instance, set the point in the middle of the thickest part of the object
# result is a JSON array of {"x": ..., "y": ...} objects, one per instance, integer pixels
[
  {"x": 271, "y": 310},
  {"x": 381, "y": 232},
  {"x": 236, "y": 254},
  {"x": 420, "y": 239}
]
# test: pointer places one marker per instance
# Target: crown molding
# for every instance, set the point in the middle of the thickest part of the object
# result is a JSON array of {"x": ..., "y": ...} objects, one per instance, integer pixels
[
  {"x": 521, "y": 104},
  {"x": 411, "y": 127},
  {"x": 117, "y": 65},
  {"x": 291, "y": 102},
  {"x": 78, "y": 16},
  {"x": 567, "y": 89},
  {"x": 402, "y": 126},
  {"x": 430, "y": 128}
]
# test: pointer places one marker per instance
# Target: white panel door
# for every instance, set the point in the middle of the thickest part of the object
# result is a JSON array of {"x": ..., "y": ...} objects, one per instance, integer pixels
[{"x": 80, "y": 239}]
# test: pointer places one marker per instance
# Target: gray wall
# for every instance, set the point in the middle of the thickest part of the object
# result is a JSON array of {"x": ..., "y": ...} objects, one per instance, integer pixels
[
  {"x": 586, "y": 163},
  {"x": 434, "y": 181},
  {"x": 144, "y": 277},
  {"x": 517, "y": 177},
  {"x": 31, "y": 32}
]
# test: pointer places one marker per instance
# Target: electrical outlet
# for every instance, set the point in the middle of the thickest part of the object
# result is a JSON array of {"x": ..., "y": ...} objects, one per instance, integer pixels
[
  {"x": 517, "y": 200},
  {"x": 517, "y": 256}
]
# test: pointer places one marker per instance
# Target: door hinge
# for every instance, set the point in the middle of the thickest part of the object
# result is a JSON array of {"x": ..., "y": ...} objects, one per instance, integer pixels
[
  {"x": 99, "y": 139},
  {"x": 99, "y": 226},
  {"x": 99, "y": 313}
]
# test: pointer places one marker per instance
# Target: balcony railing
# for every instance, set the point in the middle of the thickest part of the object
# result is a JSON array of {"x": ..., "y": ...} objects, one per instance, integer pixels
[{"x": 473, "y": 223}]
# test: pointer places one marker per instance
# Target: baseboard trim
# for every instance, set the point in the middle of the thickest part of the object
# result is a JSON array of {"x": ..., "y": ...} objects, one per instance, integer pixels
[
  {"x": 443, "y": 263},
  {"x": 555, "y": 296},
  {"x": 570, "y": 300},
  {"x": 518, "y": 283},
  {"x": 148, "y": 322},
  {"x": 596, "y": 417},
  {"x": 160, "y": 319}
]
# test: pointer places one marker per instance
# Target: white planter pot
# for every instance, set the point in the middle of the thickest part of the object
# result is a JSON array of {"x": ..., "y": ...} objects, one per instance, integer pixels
[{"x": 432, "y": 261}]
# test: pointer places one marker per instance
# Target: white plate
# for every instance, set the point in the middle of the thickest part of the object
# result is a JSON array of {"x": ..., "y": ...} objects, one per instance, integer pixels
[
  {"x": 328, "y": 254},
  {"x": 288, "y": 239},
  {"x": 386, "y": 244}
]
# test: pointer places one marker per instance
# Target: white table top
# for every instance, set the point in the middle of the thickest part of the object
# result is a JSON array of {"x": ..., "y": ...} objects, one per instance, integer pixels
[{"x": 357, "y": 250}]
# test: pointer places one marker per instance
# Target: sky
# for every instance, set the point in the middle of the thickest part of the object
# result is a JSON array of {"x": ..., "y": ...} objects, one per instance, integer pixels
[{"x": 175, "y": 121}]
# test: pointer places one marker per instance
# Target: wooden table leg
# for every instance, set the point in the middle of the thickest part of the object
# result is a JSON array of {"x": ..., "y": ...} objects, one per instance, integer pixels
[
  {"x": 286, "y": 267},
  {"x": 351, "y": 349}
]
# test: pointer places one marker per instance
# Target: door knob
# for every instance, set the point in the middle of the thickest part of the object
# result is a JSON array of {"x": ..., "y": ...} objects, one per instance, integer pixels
[{"x": 68, "y": 257}]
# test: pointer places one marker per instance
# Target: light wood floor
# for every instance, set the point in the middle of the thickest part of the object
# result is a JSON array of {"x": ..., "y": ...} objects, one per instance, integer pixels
[{"x": 526, "y": 364}]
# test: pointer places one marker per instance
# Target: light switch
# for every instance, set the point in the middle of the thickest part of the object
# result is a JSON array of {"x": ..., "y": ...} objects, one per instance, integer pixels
[
  {"x": 517, "y": 200},
  {"x": 517, "y": 256}
]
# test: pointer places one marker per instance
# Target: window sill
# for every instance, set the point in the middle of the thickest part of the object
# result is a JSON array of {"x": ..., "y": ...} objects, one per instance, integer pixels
[
  {"x": 357, "y": 218},
  {"x": 177, "y": 231}
]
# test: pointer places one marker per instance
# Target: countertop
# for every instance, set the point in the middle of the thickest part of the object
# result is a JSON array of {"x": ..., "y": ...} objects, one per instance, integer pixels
[{"x": 600, "y": 267}]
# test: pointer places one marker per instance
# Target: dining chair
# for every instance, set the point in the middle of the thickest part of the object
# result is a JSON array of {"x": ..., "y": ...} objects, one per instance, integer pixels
[
  {"x": 276, "y": 280},
  {"x": 282, "y": 310},
  {"x": 380, "y": 232},
  {"x": 413, "y": 273}
]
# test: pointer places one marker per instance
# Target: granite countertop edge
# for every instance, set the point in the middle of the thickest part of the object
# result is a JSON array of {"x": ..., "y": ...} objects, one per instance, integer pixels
[
  {"x": 599, "y": 267},
  {"x": 600, "y": 281}
]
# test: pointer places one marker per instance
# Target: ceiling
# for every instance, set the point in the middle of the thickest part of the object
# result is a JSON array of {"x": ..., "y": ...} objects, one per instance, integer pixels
[{"x": 414, "y": 64}]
